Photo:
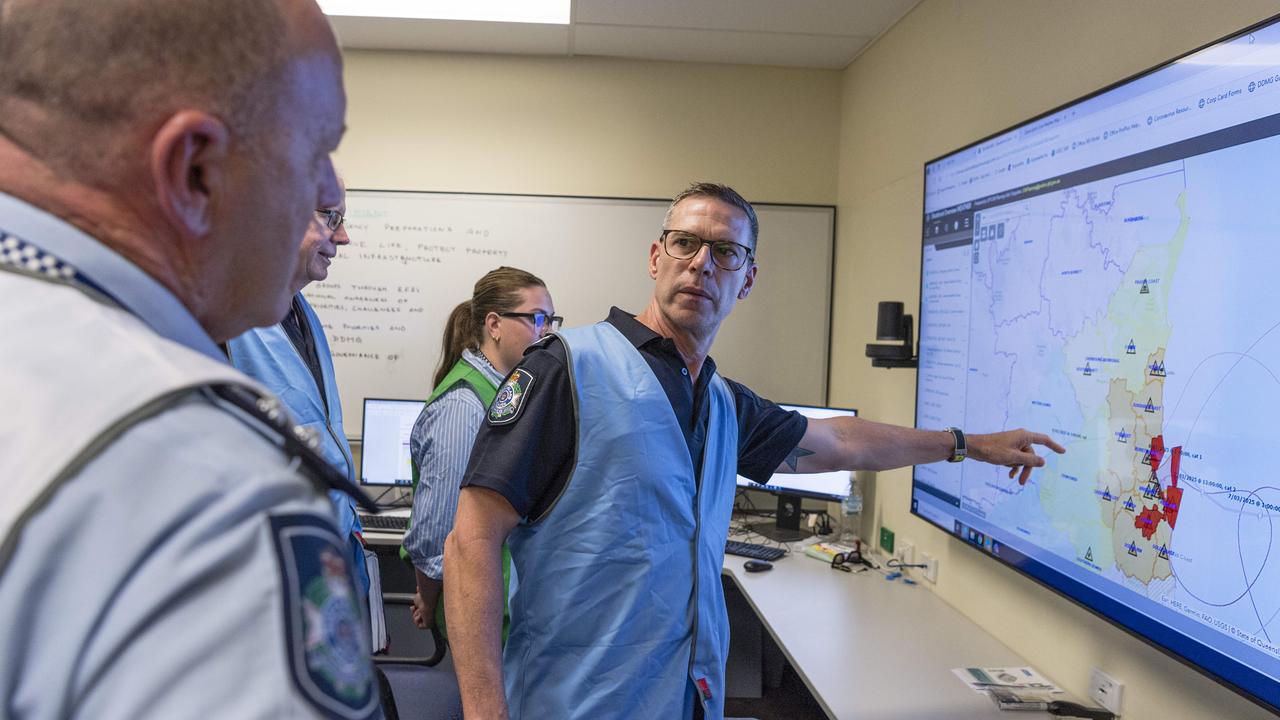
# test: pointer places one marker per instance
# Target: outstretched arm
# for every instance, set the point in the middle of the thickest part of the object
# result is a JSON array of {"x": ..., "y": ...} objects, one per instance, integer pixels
[{"x": 857, "y": 444}]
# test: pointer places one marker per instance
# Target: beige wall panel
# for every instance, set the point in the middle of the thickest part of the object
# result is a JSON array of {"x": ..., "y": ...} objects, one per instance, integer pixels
[{"x": 588, "y": 126}]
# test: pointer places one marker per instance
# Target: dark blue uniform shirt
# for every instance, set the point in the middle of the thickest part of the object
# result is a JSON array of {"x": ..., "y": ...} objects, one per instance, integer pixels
[{"x": 528, "y": 461}]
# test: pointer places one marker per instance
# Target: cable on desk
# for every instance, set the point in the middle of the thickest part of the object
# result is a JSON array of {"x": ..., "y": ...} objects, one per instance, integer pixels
[
  {"x": 1070, "y": 709},
  {"x": 740, "y": 529},
  {"x": 741, "y": 494},
  {"x": 378, "y": 500}
]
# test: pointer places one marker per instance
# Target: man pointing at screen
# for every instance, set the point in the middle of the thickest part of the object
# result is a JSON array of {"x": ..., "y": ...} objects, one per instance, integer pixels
[{"x": 608, "y": 463}]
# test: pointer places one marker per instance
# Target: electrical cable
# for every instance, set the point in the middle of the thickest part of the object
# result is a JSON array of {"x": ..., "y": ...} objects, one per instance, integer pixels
[{"x": 1070, "y": 709}]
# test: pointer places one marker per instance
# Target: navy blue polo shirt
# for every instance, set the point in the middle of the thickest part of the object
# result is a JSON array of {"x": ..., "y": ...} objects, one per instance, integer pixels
[{"x": 528, "y": 461}]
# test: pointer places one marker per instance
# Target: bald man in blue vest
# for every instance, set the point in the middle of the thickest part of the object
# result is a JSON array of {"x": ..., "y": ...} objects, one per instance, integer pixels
[{"x": 608, "y": 463}]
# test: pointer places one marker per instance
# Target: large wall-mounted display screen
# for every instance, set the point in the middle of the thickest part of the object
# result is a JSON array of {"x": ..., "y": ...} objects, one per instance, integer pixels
[{"x": 1109, "y": 273}]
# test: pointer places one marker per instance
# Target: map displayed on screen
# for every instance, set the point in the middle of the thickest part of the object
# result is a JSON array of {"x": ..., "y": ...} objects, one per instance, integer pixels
[
  {"x": 1095, "y": 319},
  {"x": 1107, "y": 274}
]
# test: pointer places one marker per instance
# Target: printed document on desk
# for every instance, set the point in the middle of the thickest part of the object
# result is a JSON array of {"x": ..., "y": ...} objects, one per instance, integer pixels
[{"x": 1020, "y": 678}]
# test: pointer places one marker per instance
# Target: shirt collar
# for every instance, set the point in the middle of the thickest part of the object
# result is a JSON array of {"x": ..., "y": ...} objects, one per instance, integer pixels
[
  {"x": 640, "y": 336},
  {"x": 481, "y": 363},
  {"x": 636, "y": 332},
  {"x": 137, "y": 292}
]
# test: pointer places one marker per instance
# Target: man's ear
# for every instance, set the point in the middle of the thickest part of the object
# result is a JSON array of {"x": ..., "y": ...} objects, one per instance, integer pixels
[
  {"x": 188, "y": 166},
  {"x": 655, "y": 251},
  {"x": 750, "y": 282}
]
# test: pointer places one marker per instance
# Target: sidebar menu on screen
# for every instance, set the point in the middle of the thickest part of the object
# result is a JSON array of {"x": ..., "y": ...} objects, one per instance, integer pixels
[{"x": 944, "y": 342}]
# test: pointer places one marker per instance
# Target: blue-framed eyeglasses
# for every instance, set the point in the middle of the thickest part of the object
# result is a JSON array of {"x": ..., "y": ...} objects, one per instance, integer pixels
[{"x": 542, "y": 322}]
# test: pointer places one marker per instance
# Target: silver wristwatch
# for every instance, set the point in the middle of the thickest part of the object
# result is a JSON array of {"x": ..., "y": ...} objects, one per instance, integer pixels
[{"x": 962, "y": 449}]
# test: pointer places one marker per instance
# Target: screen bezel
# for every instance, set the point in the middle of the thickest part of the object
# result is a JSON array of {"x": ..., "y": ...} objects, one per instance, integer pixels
[
  {"x": 1099, "y": 604},
  {"x": 364, "y": 419}
]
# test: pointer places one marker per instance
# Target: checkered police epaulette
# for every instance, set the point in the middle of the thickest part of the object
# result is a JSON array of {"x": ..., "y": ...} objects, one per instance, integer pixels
[
  {"x": 298, "y": 441},
  {"x": 18, "y": 253}
]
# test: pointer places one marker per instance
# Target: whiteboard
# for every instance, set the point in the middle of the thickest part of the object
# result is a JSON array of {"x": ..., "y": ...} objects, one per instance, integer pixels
[{"x": 415, "y": 255}]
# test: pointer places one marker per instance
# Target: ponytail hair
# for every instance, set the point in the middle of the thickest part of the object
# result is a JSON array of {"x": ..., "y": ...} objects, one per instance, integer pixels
[
  {"x": 457, "y": 335},
  {"x": 498, "y": 291}
]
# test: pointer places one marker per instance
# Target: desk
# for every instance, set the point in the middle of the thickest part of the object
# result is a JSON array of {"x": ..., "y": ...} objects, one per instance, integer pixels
[
  {"x": 870, "y": 649},
  {"x": 866, "y": 648}
]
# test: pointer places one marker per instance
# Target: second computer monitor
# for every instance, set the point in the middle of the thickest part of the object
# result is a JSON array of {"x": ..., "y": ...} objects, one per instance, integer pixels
[
  {"x": 833, "y": 486},
  {"x": 384, "y": 441}
]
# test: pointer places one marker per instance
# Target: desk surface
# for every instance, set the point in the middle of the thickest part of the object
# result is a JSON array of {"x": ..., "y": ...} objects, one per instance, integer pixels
[
  {"x": 867, "y": 648},
  {"x": 870, "y": 649}
]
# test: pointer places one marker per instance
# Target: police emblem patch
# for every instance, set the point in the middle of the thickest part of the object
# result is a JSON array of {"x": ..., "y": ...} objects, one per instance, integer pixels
[
  {"x": 325, "y": 629},
  {"x": 511, "y": 396}
]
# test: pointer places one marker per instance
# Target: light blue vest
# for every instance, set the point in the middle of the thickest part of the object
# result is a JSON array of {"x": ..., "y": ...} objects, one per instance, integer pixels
[
  {"x": 619, "y": 610},
  {"x": 266, "y": 355}
]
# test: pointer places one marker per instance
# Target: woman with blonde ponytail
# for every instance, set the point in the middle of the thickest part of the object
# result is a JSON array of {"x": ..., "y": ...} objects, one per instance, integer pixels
[{"x": 484, "y": 338}]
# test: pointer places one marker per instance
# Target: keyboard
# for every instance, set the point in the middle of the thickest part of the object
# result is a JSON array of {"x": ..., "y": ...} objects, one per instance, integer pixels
[
  {"x": 752, "y": 550},
  {"x": 395, "y": 523}
]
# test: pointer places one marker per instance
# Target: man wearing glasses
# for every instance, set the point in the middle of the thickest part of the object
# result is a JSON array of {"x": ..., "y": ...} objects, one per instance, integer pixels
[
  {"x": 292, "y": 359},
  {"x": 612, "y": 480}
]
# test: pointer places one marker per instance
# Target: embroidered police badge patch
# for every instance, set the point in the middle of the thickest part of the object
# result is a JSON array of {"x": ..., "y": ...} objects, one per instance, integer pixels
[
  {"x": 511, "y": 396},
  {"x": 325, "y": 630}
]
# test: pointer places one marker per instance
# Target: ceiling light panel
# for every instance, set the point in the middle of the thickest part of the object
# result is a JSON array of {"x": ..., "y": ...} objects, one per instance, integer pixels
[{"x": 547, "y": 12}]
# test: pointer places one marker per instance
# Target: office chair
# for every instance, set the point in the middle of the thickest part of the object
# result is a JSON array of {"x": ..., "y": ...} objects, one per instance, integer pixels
[{"x": 423, "y": 685}]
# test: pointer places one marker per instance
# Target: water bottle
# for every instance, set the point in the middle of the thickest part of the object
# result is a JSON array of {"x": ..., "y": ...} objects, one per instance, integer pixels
[{"x": 851, "y": 513}]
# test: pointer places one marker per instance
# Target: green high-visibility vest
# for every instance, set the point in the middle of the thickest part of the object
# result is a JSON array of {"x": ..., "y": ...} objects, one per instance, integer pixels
[{"x": 463, "y": 372}]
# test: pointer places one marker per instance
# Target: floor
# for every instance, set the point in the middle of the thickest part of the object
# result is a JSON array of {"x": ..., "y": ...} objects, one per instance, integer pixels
[{"x": 791, "y": 700}]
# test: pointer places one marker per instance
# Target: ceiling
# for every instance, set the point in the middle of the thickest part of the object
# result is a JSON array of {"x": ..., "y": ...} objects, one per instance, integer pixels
[{"x": 794, "y": 33}]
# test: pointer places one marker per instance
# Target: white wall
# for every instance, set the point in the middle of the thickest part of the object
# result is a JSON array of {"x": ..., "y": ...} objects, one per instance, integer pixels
[
  {"x": 588, "y": 126},
  {"x": 949, "y": 73}
]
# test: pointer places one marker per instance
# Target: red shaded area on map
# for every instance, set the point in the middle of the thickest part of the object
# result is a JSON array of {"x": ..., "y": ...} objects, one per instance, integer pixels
[
  {"x": 1170, "y": 498},
  {"x": 1148, "y": 521}
]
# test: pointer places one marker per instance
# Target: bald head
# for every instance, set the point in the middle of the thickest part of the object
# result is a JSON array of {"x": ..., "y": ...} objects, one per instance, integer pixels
[
  {"x": 190, "y": 136},
  {"x": 112, "y": 63}
]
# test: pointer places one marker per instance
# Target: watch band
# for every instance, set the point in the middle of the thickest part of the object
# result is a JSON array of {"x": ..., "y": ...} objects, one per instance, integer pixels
[{"x": 961, "y": 450}]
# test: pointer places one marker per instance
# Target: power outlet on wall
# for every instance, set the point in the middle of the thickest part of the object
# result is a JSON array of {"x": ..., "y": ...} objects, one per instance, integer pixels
[
  {"x": 930, "y": 567},
  {"x": 905, "y": 551},
  {"x": 1105, "y": 690}
]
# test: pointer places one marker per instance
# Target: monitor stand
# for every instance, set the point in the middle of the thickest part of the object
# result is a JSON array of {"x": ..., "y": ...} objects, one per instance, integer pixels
[{"x": 786, "y": 527}]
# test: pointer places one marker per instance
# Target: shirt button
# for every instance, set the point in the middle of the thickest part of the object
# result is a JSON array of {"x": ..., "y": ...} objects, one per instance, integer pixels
[{"x": 684, "y": 371}]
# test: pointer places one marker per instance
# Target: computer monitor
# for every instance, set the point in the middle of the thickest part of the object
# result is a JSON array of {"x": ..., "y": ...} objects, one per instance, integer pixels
[
  {"x": 791, "y": 488},
  {"x": 1105, "y": 273},
  {"x": 384, "y": 441}
]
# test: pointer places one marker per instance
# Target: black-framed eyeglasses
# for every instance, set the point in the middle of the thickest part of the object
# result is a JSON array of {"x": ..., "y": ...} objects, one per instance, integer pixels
[
  {"x": 727, "y": 255},
  {"x": 542, "y": 322},
  {"x": 331, "y": 219},
  {"x": 843, "y": 561}
]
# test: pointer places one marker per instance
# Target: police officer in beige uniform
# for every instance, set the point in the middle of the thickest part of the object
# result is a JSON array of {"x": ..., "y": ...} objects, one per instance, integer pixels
[{"x": 166, "y": 545}]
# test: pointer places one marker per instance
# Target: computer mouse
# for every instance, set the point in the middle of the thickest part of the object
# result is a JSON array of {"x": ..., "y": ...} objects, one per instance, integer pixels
[{"x": 757, "y": 565}]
